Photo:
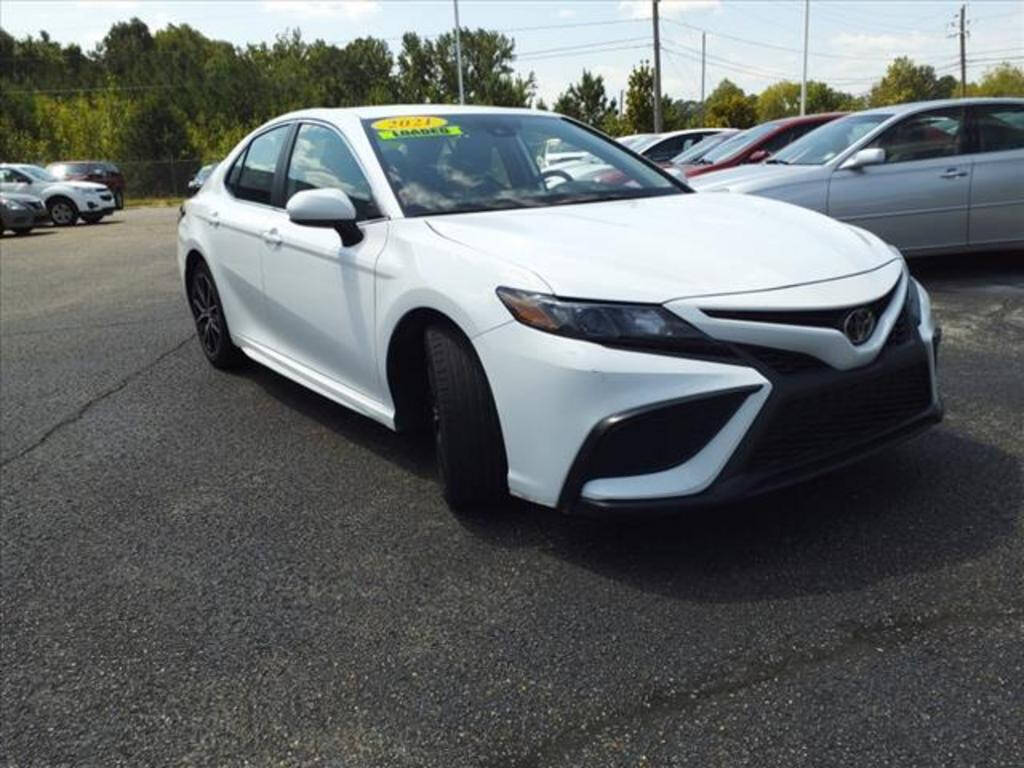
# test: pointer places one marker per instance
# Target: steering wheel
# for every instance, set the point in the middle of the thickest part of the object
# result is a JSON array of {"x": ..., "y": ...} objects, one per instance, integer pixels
[{"x": 553, "y": 173}]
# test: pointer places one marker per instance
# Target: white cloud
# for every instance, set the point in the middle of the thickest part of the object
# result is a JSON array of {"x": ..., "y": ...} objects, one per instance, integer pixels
[
  {"x": 121, "y": 5},
  {"x": 641, "y": 9},
  {"x": 351, "y": 9},
  {"x": 566, "y": 13}
]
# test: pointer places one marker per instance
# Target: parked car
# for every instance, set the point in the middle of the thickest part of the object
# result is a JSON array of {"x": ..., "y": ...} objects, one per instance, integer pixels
[
  {"x": 34, "y": 205},
  {"x": 200, "y": 178},
  {"x": 16, "y": 216},
  {"x": 99, "y": 171},
  {"x": 702, "y": 147},
  {"x": 757, "y": 144},
  {"x": 66, "y": 201},
  {"x": 412, "y": 264},
  {"x": 927, "y": 177},
  {"x": 662, "y": 147}
]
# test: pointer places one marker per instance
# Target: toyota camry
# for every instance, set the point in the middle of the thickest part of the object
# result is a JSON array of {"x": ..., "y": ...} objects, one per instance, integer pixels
[{"x": 609, "y": 345}]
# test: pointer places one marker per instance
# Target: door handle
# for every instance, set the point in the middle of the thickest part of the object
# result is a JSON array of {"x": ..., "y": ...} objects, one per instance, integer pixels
[
  {"x": 271, "y": 238},
  {"x": 214, "y": 219},
  {"x": 952, "y": 173}
]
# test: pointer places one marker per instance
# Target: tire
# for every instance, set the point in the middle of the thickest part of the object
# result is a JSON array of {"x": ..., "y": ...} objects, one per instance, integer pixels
[
  {"x": 211, "y": 323},
  {"x": 470, "y": 448},
  {"x": 92, "y": 218},
  {"x": 22, "y": 230},
  {"x": 119, "y": 200},
  {"x": 63, "y": 212}
]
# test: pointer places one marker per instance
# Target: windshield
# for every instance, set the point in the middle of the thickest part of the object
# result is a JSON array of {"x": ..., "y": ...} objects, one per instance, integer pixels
[
  {"x": 636, "y": 139},
  {"x": 738, "y": 143},
  {"x": 822, "y": 144},
  {"x": 37, "y": 173},
  {"x": 479, "y": 162},
  {"x": 702, "y": 147}
]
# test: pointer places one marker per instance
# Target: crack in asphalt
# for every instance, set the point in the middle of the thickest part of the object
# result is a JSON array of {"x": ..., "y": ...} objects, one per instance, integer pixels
[
  {"x": 88, "y": 405},
  {"x": 860, "y": 638}
]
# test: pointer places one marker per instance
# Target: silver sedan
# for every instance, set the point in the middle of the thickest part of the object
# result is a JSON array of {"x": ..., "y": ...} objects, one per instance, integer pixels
[{"x": 929, "y": 177}]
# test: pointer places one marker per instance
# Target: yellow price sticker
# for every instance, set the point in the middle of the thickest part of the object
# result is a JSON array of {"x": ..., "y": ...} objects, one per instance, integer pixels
[{"x": 408, "y": 123}]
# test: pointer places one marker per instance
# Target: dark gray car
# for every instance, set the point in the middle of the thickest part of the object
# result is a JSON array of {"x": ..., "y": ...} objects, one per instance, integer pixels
[{"x": 927, "y": 177}]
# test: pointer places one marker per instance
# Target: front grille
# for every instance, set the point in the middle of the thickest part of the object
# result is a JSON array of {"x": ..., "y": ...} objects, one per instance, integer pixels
[
  {"x": 818, "y": 318},
  {"x": 812, "y": 426},
  {"x": 784, "y": 361}
]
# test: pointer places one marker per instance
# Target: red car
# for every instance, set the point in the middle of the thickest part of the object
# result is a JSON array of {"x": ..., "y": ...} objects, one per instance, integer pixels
[
  {"x": 757, "y": 144},
  {"x": 98, "y": 171}
]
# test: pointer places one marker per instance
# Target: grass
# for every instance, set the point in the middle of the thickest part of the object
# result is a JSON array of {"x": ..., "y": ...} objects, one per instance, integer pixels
[{"x": 152, "y": 202}]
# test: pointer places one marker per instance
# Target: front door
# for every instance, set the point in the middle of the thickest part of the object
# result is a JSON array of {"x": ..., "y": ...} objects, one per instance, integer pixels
[
  {"x": 918, "y": 198},
  {"x": 319, "y": 293}
]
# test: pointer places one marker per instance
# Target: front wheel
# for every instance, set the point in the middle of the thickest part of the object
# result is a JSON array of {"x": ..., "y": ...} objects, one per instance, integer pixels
[
  {"x": 63, "y": 212},
  {"x": 470, "y": 448},
  {"x": 211, "y": 324},
  {"x": 119, "y": 200}
]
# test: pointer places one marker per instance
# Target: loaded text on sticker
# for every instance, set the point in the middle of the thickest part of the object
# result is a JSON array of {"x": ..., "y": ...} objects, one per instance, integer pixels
[
  {"x": 413, "y": 133},
  {"x": 408, "y": 122}
]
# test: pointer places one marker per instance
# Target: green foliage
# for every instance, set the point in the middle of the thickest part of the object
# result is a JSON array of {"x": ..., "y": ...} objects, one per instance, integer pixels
[
  {"x": 905, "y": 81},
  {"x": 782, "y": 99},
  {"x": 1003, "y": 80},
  {"x": 587, "y": 101},
  {"x": 729, "y": 107}
]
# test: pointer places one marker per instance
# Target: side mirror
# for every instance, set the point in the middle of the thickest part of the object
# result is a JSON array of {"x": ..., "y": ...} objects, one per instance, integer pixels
[
  {"x": 758, "y": 156},
  {"x": 330, "y": 208},
  {"x": 863, "y": 157}
]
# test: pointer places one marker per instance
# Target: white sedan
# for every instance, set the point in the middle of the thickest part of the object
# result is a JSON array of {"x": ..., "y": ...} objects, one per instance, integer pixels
[
  {"x": 66, "y": 201},
  {"x": 597, "y": 345}
]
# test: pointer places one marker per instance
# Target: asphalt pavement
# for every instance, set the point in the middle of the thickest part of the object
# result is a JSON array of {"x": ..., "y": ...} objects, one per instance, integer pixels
[{"x": 207, "y": 568}]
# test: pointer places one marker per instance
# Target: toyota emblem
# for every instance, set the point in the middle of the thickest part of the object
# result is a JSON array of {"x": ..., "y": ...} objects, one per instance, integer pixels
[{"x": 859, "y": 325}]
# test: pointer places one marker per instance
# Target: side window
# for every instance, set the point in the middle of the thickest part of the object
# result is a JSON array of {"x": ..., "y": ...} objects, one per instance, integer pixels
[
  {"x": 999, "y": 127},
  {"x": 669, "y": 148},
  {"x": 321, "y": 160},
  {"x": 11, "y": 176},
  {"x": 923, "y": 136},
  {"x": 255, "y": 170}
]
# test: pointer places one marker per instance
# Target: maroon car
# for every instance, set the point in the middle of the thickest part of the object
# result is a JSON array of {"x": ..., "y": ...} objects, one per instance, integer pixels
[
  {"x": 757, "y": 144},
  {"x": 99, "y": 171}
]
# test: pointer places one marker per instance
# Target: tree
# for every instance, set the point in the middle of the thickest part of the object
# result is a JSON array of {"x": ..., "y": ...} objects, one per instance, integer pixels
[
  {"x": 905, "y": 81},
  {"x": 782, "y": 99},
  {"x": 586, "y": 100},
  {"x": 639, "y": 113},
  {"x": 729, "y": 107},
  {"x": 1003, "y": 80}
]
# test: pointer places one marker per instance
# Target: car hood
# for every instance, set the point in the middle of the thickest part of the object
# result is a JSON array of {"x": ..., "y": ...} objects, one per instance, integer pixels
[
  {"x": 663, "y": 248},
  {"x": 745, "y": 178},
  {"x": 82, "y": 185},
  {"x": 21, "y": 197}
]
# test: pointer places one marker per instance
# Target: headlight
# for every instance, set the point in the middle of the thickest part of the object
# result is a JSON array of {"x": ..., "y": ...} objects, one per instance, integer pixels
[
  {"x": 13, "y": 205},
  {"x": 606, "y": 323}
]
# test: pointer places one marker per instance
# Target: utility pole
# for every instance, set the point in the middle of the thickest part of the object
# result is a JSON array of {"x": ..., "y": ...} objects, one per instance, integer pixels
[
  {"x": 657, "y": 68},
  {"x": 963, "y": 53},
  {"x": 458, "y": 53},
  {"x": 803, "y": 80},
  {"x": 703, "y": 70}
]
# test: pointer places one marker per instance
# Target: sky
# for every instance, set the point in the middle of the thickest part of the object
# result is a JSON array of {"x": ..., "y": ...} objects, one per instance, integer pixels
[{"x": 752, "y": 42}]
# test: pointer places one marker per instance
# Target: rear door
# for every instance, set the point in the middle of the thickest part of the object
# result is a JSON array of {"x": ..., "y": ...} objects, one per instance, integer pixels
[
  {"x": 997, "y": 183},
  {"x": 236, "y": 219},
  {"x": 918, "y": 198}
]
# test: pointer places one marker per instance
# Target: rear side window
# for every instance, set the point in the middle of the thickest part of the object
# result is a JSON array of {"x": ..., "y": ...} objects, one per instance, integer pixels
[
  {"x": 924, "y": 136},
  {"x": 252, "y": 176},
  {"x": 322, "y": 160},
  {"x": 999, "y": 127}
]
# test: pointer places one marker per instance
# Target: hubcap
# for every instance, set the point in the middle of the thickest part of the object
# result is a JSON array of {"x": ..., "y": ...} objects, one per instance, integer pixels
[
  {"x": 61, "y": 213},
  {"x": 207, "y": 313}
]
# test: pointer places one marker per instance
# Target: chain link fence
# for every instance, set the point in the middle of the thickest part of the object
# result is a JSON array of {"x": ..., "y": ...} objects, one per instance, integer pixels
[{"x": 157, "y": 178}]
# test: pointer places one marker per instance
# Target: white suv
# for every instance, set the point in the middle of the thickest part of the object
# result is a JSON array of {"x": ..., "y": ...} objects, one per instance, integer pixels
[
  {"x": 584, "y": 344},
  {"x": 67, "y": 201}
]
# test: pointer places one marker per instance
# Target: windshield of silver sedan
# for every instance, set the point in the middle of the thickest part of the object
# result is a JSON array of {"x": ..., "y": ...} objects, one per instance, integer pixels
[{"x": 460, "y": 163}]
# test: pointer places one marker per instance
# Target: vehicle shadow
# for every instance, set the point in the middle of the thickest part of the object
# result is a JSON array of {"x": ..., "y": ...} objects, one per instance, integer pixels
[
  {"x": 923, "y": 505},
  {"x": 41, "y": 229},
  {"x": 970, "y": 269}
]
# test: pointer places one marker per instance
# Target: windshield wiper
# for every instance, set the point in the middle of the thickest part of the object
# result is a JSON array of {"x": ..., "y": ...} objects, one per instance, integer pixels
[{"x": 776, "y": 161}]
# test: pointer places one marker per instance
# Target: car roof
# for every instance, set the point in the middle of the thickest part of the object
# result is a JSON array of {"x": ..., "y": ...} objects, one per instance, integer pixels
[
  {"x": 785, "y": 122},
  {"x": 401, "y": 110},
  {"x": 915, "y": 106}
]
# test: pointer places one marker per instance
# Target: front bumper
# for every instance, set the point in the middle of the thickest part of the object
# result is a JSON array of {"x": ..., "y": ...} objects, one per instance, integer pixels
[{"x": 777, "y": 423}]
